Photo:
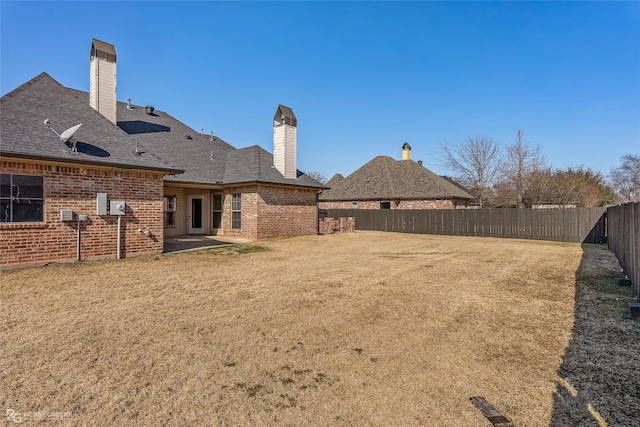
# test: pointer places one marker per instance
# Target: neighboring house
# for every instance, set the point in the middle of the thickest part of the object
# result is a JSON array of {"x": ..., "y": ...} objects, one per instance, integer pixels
[
  {"x": 334, "y": 180},
  {"x": 169, "y": 179},
  {"x": 385, "y": 183}
]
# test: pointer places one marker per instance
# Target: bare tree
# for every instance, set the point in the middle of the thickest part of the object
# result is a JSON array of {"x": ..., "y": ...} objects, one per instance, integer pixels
[
  {"x": 568, "y": 187},
  {"x": 318, "y": 176},
  {"x": 522, "y": 162},
  {"x": 538, "y": 190},
  {"x": 625, "y": 179},
  {"x": 477, "y": 163}
]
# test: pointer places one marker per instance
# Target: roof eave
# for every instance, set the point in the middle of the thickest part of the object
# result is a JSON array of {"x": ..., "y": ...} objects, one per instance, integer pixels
[
  {"x": 271, "y": 183},
  {"x": 48, "y": 159}
]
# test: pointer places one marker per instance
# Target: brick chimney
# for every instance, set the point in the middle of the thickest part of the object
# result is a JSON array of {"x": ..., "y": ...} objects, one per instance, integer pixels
[
  {"x": 284, "y": 142},
  {"x": 102, "y": 83}
]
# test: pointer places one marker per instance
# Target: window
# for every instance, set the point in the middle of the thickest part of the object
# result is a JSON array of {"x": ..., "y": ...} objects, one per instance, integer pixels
[
  {"x": 354, "y": 204},
  {"x": 21, "y": 198},
  {"x": 385, "y": 205},
  {"x": 236, "y": 214},
  {"x": 169, "y": 211},
  {"x": 217, "y": 211}
]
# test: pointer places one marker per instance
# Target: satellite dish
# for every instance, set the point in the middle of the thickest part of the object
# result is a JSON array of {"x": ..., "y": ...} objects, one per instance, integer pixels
[{"x": 68, "y": 134}]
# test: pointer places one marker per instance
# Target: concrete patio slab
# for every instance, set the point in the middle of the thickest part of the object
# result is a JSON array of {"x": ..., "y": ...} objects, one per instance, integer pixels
[{"x": 189, "y": 243}]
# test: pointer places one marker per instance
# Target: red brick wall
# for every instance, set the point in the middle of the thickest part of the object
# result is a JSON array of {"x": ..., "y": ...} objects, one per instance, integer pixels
[
  {"x": 337, "y": 225},
  {"x": 286, "y": 212},
  {"x": 424, "y": 204},
  {"x": 272, "y": 212},
  {"x": 404, "y": 204},
  {"x": 249, "y": 203},
  {"x": 75, "y": 188}
]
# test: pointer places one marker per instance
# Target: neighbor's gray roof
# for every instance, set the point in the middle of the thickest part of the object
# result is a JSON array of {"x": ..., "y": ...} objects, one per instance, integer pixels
[
  {"x": 166, "y": 143},
  {"x": 99, "y": 142},
  {"x": 384, "y": 178}
]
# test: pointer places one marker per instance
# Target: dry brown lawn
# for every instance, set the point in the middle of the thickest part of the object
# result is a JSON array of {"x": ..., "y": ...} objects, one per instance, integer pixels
[{"x": 366, "y": 328}]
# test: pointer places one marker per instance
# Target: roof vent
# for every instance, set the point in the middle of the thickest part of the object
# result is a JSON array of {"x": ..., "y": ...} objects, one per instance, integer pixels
[
  {"x": 129, "y": 106},
  {"x": 420, "y": 162},
  {"x": 149, "y": 109}
]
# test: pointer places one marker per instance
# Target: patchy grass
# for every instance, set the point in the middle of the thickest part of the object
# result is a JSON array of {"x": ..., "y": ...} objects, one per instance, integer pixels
[
  {"x": 354, "y": 329},
  {"x": 600, "y": 377}
]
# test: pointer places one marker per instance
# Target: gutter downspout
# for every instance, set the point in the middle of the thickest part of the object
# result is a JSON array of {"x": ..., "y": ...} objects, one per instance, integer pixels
[
  {"x": 119, "y": 236},
  {"x": 318, "y": 212}
]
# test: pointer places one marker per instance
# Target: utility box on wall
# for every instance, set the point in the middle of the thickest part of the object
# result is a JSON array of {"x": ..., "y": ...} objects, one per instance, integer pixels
[
  {"x": 101, "y": 204},
  {"x": 117, "y": 208},
  {"x": 66, "y": 215}
]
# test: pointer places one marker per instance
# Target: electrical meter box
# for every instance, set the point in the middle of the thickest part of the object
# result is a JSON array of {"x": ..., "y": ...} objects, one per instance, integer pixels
[
  {"x": 117, "y": 207},
  {"x": 66, "y": 215}
]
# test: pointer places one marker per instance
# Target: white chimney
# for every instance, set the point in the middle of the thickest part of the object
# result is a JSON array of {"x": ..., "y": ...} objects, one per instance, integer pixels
[
  {"x": 284, "y": 142},
  {"x": 102, "y": 84},
  {"x": 406, "y": 151}
]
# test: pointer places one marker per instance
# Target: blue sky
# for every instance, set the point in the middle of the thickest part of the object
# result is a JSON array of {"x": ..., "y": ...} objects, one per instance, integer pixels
[{"x": 362, "y": 77}]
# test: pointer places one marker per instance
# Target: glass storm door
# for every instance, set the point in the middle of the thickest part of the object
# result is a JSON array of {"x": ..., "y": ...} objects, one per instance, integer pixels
[{"x": 196, "y": 211}]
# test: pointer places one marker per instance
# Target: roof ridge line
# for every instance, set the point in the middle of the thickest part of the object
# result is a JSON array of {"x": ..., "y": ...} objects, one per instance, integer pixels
[{"x": 7, "y": 96}]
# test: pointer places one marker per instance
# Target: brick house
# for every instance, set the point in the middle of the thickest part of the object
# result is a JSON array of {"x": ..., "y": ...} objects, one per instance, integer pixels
[
  {"x": 169, "y": 179},
  {"x": 385, "y": 183}
]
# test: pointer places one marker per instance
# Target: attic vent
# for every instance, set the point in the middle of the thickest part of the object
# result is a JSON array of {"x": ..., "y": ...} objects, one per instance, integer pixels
[
  {"x": 149, "y": 109},
  {"x": 129, "y": 107},
  {"x": 188, "y": 136}
]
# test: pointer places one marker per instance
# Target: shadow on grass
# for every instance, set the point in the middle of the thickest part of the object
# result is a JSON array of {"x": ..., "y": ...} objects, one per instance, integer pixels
[
  {"x": 186, "y": 243},
  {"x": 600, "y": 374}
]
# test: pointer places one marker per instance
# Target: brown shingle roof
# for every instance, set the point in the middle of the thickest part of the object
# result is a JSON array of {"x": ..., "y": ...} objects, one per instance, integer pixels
[
  {"x": 335, "y": 179},
  {"x": 384, "y": 178}
]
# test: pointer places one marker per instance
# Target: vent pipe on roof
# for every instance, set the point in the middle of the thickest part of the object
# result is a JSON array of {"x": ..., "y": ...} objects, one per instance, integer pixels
[
  {"x": 420, "y": 162},
  {"x": 129, "y": 107},
  {"x": 149, "y": 109}
]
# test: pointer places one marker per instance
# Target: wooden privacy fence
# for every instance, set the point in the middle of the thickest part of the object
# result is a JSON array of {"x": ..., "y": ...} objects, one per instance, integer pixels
[
  {"x": 565, "y": 225},
  {"x": 624, "y": 239}
]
